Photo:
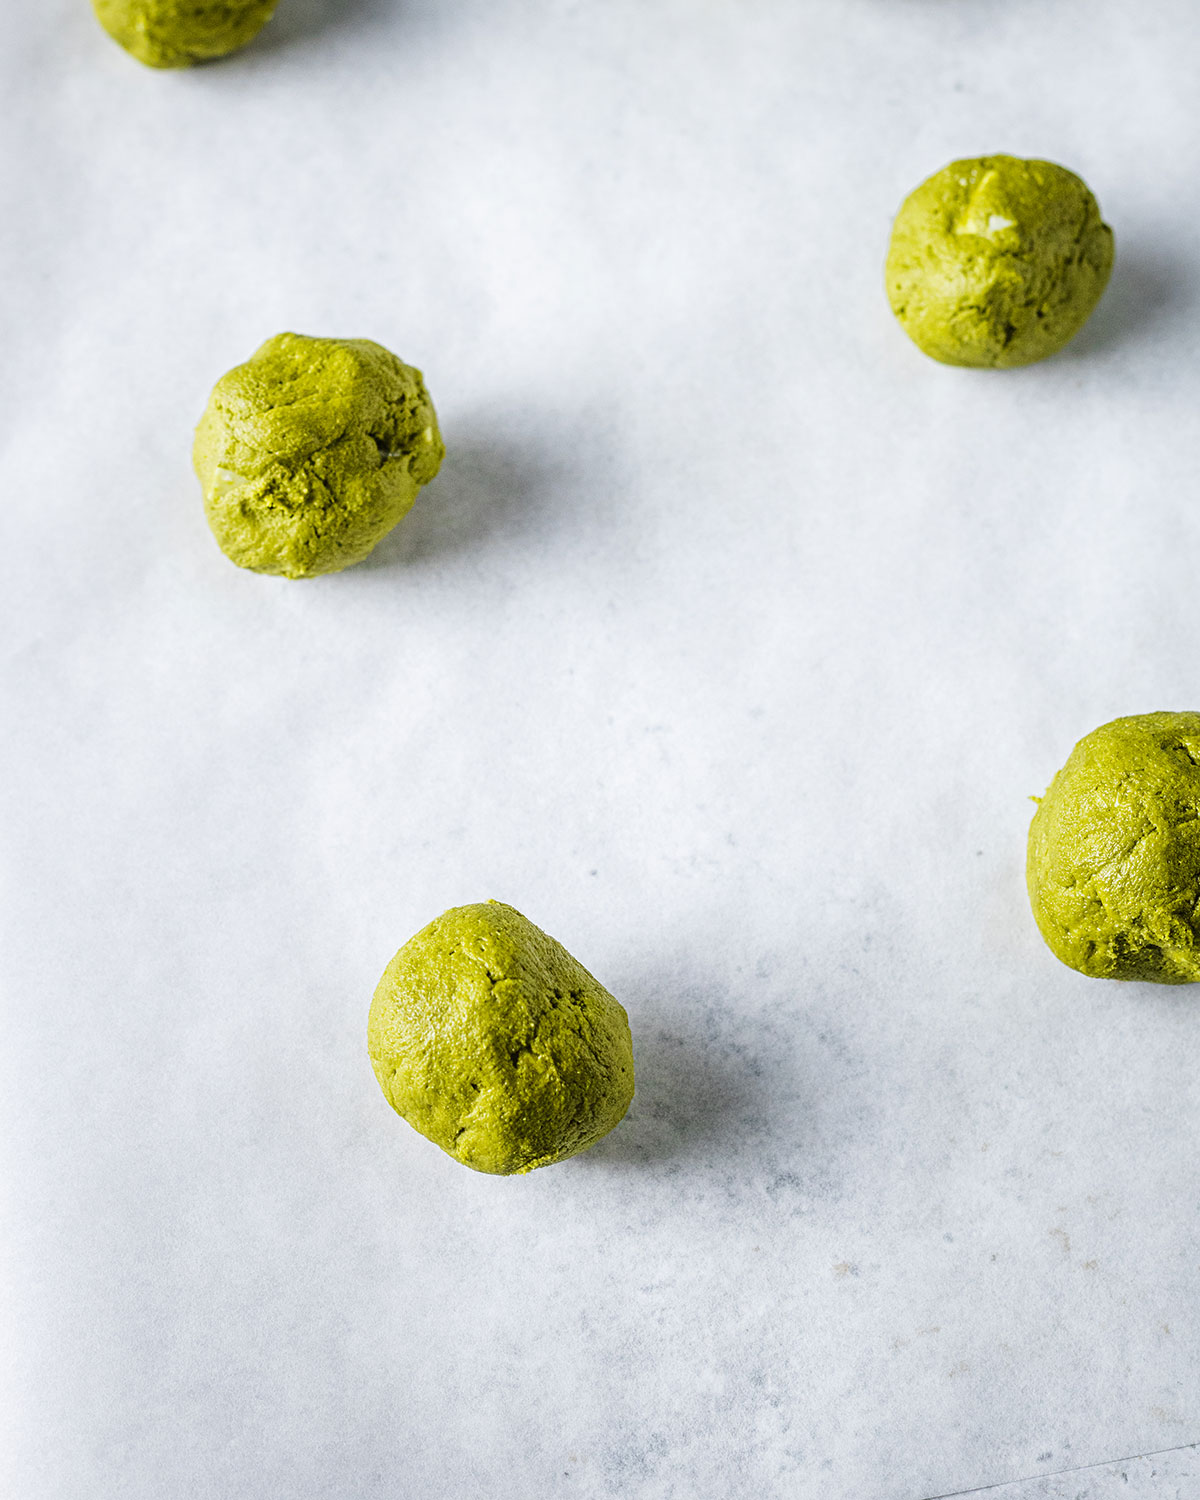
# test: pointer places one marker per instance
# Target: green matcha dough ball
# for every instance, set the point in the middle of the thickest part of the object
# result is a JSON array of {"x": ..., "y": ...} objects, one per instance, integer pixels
[
  {"x": 996, "y": 261},
  {"x": 311, "y": 451},
  {"x": 1114, "y": 852},
  {"x": 493, "y": 1042},
  {"x": 178, "y": 33}
]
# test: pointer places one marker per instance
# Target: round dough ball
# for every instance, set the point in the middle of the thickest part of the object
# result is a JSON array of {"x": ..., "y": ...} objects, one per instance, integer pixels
[
  {"x": 493, "y": 1042},
  {"x": 996, "y": 261},
  {"x": 311, "y": 451},
  {"x": 178, "y": 33},
  {"x": 1114, "y": 852}
]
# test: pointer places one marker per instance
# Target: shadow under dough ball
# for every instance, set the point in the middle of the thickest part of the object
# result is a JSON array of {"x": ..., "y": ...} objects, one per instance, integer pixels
[
  {"x": 1114, "y": 852},
  {"x": 996, "y": 261},
  {"x": 310, "y": 452},
  {"x": 178, "y": 33},
  {"x": 497, "y": 1045}
]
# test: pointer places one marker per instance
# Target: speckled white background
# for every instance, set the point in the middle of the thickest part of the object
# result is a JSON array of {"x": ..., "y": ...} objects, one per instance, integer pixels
[{"x": 728, "y": 646}]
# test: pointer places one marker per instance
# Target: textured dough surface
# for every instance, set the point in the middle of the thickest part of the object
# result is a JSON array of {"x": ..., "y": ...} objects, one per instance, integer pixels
[
  {"x": 493, "y": 1042},
  {"x": 1114, "y": 852},
  {"x": 997, "y": 261},
  {"x": 310, "y": 452},
  {"x": 178, "y": 33}
]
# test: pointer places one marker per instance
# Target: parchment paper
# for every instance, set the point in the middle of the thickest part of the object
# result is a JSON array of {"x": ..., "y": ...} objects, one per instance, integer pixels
[{"x": 728, "y": 646}]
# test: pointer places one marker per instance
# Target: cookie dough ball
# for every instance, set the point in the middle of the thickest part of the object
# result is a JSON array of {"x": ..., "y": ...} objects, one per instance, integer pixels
[
  {"x": 1114, "y": 852},
  {"x": 178, "y": 33},
  {"x": 492, "y": 1041},
  {"x": 997, "y": 261},
  {"x": 311, "y": 452}
]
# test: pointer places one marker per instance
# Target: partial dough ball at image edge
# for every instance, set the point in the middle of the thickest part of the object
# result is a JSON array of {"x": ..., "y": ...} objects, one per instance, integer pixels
[
  {"x": 498, "y": 1046},
  {"x": 997, "y": 261},
  {"x": 1113, "y": 865},
  {"x": 179, "y": 33},
  {"x": 312, "y": 451}
]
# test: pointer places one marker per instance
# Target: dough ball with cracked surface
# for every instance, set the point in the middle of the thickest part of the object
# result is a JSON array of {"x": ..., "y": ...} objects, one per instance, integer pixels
[
  {"x": 997, "y": 261},
  {"x": 178, "y": 33},
  {"x": 497, "y": 1045},
  {"x": 310, "y": 452},
  {"x": 1114, "y": 852}
]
